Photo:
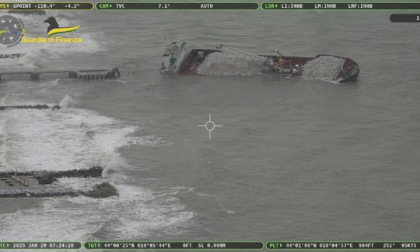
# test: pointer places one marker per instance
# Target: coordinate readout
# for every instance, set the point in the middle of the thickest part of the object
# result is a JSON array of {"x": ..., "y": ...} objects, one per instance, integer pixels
[
  {"x": 342, "y": 245},
  {"x": 184, "y": 245}
]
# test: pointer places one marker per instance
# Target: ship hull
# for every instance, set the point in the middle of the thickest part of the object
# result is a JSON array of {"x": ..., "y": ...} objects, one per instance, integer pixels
[
  {"x": 273, "y": 64},
  {"x": 348, "y": 73}
]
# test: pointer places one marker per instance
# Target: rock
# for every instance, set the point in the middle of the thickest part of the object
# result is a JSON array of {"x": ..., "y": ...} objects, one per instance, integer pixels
[
  {"x": 103, "y": 190},
  {"x": 44, "y": 177},
  {"x": 37, "y": 106},
  {"x": 25, "y": 173},
  {"x": 18, "y": 193}
]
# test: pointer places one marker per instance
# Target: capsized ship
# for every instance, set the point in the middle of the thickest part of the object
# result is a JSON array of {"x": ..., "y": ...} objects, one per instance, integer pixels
[{"x": 178, "y": 59}]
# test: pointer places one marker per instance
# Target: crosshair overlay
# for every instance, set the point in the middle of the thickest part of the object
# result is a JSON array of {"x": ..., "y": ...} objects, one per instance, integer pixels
[{"x": 210, "y": 125}]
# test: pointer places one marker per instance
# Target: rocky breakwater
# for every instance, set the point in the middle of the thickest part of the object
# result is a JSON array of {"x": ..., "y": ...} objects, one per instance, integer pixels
[
  {"x": 102, "y": 190},
  {"x": 48, "y": 177},
  {"x": 37, "y": 106}
]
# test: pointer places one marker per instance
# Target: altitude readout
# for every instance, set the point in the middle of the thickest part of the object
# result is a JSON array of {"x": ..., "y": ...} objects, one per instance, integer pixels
[
  {"x": 184, "y": 245},
  {"x": 177, "y": 6},
  {"x": 339, "y": 6},
  {"x": 46, "y": 6}
]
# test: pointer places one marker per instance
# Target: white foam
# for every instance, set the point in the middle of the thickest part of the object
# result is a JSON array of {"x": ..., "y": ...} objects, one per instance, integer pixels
[
  {"x": 66, "y": 102},
  {"x": 30, "y": 59},
  {"x": 135, "y": 214},
  {"x": 4, "y": 100},
  {"x": 83, "y": 184},
  {"x": 62, "y": 140},
  {"x": 112, "y": 163},
  {"x": 149, "y": 141},
  {"x": 225, "y": 209},
  {"x": 45, "y": 84},
  {"x": 2, "y": 142},
  {"x": 51, "y": 222},
  {"x": 2, "y": 127},
  {"x": 78, "y": 138},
  {"x": 174, "y": 191}
]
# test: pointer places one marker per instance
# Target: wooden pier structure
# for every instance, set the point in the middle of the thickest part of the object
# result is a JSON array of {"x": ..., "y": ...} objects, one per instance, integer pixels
[{"x": 78, "y": 74}]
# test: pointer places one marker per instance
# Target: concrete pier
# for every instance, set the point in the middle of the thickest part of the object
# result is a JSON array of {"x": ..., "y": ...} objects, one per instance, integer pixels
[{"x": 77, "y": 74}]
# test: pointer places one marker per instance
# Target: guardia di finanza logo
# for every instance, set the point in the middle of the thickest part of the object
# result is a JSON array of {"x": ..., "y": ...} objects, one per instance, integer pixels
[{"x": 55, "y": 29}]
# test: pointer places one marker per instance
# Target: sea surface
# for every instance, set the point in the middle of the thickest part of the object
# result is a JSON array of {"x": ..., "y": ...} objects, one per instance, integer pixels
[{"x": 295, "y": 159}]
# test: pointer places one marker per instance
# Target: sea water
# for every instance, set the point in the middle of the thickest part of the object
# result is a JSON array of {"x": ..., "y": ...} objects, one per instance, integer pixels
[{"x": 295, "y": 159}]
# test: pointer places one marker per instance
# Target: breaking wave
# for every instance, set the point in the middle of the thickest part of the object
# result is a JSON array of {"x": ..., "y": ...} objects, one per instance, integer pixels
[
  {"x": 73, "y": 139},
  {"x": 136, "y": 213},
  {"x": 61, "y": 140}
]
